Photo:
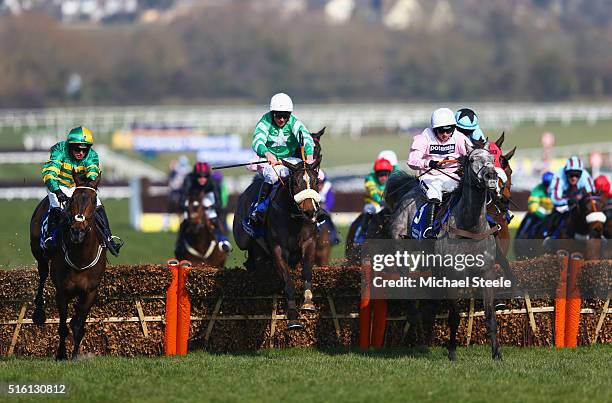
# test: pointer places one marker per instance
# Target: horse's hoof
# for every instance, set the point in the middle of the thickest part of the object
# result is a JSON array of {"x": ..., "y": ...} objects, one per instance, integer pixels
[
  {"x": 61, "y": 357},
  {"x": 497, "y": 356},
  {"x": 38, "y": 317},
  {"x": 452, "y": 355},
  {"x": 294, "y": 324},
  {"x": 308, "y": 306}
]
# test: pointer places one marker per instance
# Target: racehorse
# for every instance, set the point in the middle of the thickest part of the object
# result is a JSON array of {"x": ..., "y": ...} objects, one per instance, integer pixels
[
  {"x": 196, "y": 240},
  {"x": 376, "y": 229},
  {"x": 77, "y": 265},
  {"x": 324, "y": 244},
  {"x": 467, "y": 220},
  {"x": 290, "y": 232}
]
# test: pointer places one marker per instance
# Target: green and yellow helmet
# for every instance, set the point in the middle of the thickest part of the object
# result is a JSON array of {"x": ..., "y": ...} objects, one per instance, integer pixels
[{"x": 80, "y": 135}]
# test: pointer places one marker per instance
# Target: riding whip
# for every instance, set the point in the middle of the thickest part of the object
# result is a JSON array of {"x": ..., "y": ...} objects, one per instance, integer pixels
[{"x": 240, "y": 165}]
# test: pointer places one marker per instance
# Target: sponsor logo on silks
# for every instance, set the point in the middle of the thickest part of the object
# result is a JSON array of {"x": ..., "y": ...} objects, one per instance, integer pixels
[{"x": 442, "y": 149}]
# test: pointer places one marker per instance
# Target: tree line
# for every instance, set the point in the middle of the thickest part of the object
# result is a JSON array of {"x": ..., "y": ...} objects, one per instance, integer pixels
[{"x": 233, "y": 54}]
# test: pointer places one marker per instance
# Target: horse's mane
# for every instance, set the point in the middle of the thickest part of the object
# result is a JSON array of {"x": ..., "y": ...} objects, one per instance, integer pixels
[{"x": 397, "y": 186}]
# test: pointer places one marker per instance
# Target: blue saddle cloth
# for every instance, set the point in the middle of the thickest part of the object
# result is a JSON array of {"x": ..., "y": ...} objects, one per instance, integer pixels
[
  {"x": 44, "y": 224},
  {"x": 418, "y": 225}
]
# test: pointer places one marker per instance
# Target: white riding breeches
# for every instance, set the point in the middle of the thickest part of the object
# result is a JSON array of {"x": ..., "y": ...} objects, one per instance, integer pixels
[
  {"x": 272, "y": 173},
  {"x": 54, "y": 203},
  {"x": 435, "y": 185}
]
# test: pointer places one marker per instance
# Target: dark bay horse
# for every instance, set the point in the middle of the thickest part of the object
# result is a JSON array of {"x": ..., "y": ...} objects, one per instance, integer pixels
[
  {"x": 466, "y": 220},
  {"x": 196, "y": 240},
  {"x": 76, "y": 266},
  {"x": 290, "y": 232}
]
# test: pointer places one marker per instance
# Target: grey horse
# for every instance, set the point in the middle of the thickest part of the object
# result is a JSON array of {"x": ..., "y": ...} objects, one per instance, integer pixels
[{"x": 468, "y": 221}]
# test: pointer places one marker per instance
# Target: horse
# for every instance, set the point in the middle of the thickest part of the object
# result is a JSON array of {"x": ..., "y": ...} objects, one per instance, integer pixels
[
  {"x": 466, "y": 220},
  {"x": 290, "y": 232},
  {"x": 76, "y": 266},
  {"x": 196, "y": 240},
  {"x": 324, "y": 244},
  {"x": 376, "y": 229}
]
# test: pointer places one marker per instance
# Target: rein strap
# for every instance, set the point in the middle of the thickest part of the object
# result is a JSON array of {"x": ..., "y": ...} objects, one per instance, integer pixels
[{"x": 479, "y": 236}]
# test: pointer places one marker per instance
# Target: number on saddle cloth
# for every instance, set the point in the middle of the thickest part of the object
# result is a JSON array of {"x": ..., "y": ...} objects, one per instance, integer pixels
[{"x": 419, "y": 223}]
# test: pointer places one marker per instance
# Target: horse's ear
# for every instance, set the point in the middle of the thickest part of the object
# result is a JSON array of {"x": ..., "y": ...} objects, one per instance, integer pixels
[
  {"x": 478, "y": 143},
  {"x": 314, "y": 165},
  {"x": 94, "y": 184},
  {"x": 510, "y": 154},
  {"x": 500, "y": 140},
  {"x": 78, "y": 178}
]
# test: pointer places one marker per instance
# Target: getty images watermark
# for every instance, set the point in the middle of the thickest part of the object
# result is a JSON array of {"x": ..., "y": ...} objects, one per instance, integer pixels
[
  {"x": 463, "y": 268},
  {"x": 406, "y": 269}
]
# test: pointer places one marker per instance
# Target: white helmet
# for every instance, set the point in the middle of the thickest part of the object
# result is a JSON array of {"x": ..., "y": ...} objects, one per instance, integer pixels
[
  {"x": 281, "y": 102},
  {"x": 389, "y": 155},
  {"x": 443, "y": 117}
]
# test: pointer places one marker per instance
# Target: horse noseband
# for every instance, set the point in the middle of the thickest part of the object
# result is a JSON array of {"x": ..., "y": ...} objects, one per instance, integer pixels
[{"x": 79, "y": 218}]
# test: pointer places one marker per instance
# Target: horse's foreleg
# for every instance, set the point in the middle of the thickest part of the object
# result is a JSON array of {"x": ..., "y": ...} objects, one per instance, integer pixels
[
  {"x": 77, "y": 324},
  {"x": 453, "y": 324},
  {"x": 38, "y": 317},
  {"x": 283, "y": 269},
  {"x": 61, "y": 300},
  {"x": 430, "y": 309},
  {"x": 308, "y": 256},
  {"x": 490, "y": 320}
]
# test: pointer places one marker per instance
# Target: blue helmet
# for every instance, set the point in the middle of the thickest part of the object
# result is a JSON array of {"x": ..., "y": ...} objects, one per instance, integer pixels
[
  {"x": 547, "y": 178},
  {"x": 466, "y": 119}
]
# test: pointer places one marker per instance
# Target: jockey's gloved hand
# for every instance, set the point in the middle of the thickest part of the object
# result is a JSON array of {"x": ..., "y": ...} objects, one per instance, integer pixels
[
  {"x": 61, "y": 196},
  {"x": 434, "y": 164},
  {"x": 562, "y": 209}
]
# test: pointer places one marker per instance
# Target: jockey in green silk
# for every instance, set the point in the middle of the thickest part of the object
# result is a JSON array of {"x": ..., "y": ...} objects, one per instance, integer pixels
[
  {"x": 277, "y": 136},
  {"x": 73, "y": 155}
]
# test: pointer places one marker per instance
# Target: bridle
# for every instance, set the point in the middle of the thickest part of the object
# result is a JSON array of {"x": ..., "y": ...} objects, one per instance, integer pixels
[{"x": 308, "y": 193}]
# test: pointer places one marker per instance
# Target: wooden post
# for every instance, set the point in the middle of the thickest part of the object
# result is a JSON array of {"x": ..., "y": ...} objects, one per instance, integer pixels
[
  {"x": 332, "y": 309},
  {"x": 470, "y": 322},
  {"x": 529, "y": 309},
  {"x": 17, "y": 330},
  {"x": 273, "y": 321},
  {"x": 213, "y": 317},
  {"x": 601, "y": 320},
  {"x": 141, "y": 316}
]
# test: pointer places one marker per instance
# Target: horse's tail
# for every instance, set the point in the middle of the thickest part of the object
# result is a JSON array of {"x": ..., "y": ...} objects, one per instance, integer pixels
[{"x": 398, "y": 185}]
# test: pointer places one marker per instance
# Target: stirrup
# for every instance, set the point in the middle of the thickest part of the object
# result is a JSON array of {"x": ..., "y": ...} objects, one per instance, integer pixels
[
  {"x": 114, "y": 244},
  {"x": 225, "y": 246},
  {"x": 428, "y": 233},
  {"x": 49, "y": 243}
]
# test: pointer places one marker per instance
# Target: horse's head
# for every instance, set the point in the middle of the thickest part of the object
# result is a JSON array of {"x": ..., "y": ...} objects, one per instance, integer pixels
[
  {"x": 196, "y": 211},
  {"x": 81, "y": 207},
  {"x": 303, "y": 185},
  {"x": 479, "y": 169},
  {"x": 590, "y": 218},
  {"x": 504, "y": 160}
]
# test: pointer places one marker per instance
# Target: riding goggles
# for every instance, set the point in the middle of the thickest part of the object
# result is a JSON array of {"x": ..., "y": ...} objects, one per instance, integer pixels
[{"x": 445, "y": 129}]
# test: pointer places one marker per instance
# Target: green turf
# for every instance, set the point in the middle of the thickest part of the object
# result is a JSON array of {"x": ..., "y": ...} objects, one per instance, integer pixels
[
  {"x": 394, "y": 375},
  {"x": 140, "y": 247}
]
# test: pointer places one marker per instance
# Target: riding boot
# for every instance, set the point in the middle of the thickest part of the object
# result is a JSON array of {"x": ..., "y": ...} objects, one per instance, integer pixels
[
  {"x": 259, "y": 209},
  {"x": 362, "y": 229},
  {"x": 429, "y": 216},
  {"x": 53, "y": 220},
  {"x": 113, "y": 243},
  {"x": 224, "y": 243}
]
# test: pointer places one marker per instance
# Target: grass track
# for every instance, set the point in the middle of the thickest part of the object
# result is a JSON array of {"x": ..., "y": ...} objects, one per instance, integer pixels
[{"x": 525, "y": 375}]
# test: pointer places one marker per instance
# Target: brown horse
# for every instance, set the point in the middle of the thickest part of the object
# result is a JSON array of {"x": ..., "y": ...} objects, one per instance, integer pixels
[
  {"x": 290, "y": 232},
  {"x": 196, "y": 240},
  {"x": 376, "y": 229},
  {"x": 77, "y": 265},
  {"x": 324, "y": 245}
]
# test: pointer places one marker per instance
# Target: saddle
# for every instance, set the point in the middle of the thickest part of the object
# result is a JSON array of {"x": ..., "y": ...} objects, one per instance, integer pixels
[{"x": 418, "y": 225}]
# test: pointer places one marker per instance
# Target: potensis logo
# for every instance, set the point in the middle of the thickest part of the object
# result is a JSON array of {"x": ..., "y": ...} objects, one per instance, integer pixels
[{"x": 441, "y": 148}]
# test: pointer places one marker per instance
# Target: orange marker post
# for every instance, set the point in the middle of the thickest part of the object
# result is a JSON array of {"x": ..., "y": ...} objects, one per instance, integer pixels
[
  {"x": 365, "y": 308},
  {"x": 379, "y": 324},
  {"x": 171, "y": 308},
  {"x": 572, "y": 311},
  {"x": 560, "y": 300},
  {"x": 183, "y": 310}
]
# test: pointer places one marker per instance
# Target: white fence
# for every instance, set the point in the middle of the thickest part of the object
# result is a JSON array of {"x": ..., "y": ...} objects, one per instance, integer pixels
[{"x": 339, "y": 118}]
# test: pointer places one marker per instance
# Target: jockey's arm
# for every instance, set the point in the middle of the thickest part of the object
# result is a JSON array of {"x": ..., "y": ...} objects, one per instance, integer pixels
[
  {"x": 416, "y": 158},
  {"x": 556, "y": 190},
  {"x": 92, "y": 170},
  {"x": 51, "y": 169}
]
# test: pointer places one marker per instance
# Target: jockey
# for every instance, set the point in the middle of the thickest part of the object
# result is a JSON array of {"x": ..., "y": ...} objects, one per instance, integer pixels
[
  {"x": 327, "y": 202},
  {"x": 439, "y": 142},
  {"x": 602, "y": 185},
  {"x": 390, "y": 156},
  {"x": 539, "y": 207},
  {"x": 278, "y": 135},
  {"x": 467, "y": 123},
  {"x": 567, "y": 182},
  {"x": 199, "y": 180},
  {"x": 374, "y": 188},
  {"x": 74, "y": 154}
]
